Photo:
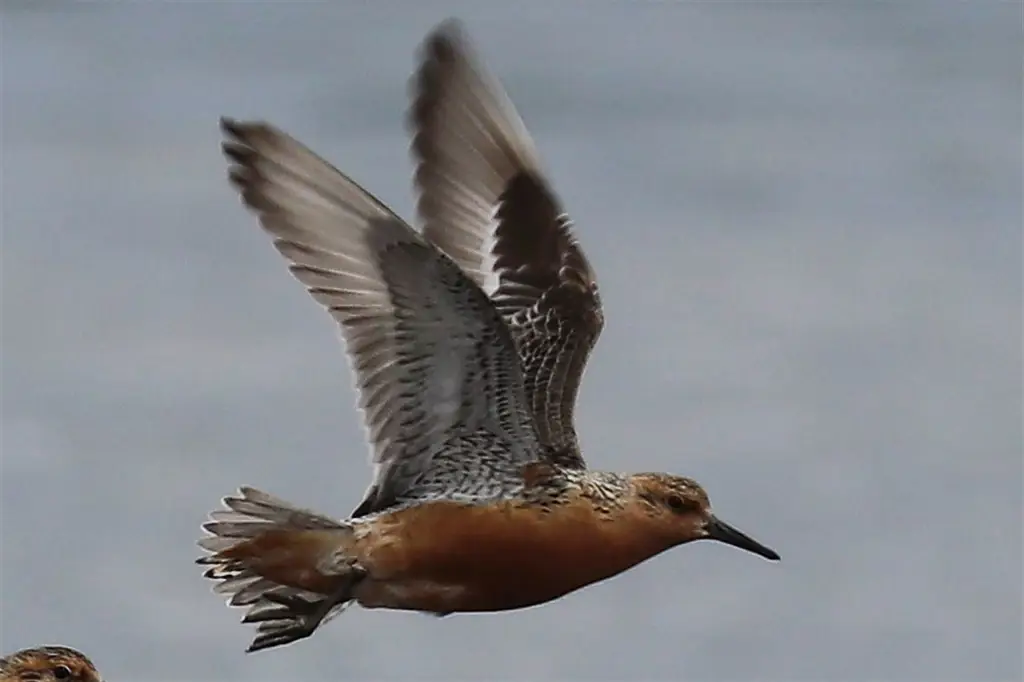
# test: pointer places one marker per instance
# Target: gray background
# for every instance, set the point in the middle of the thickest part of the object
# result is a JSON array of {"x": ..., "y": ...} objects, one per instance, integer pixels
[{"x": 806, "y": 219}]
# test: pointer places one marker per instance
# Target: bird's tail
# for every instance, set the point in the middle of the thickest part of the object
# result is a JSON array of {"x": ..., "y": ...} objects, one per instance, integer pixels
[{"x": 288, "y": 565}]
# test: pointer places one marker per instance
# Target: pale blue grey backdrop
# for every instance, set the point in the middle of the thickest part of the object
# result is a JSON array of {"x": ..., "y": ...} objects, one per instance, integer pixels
[{"x": 806, "y": 218}]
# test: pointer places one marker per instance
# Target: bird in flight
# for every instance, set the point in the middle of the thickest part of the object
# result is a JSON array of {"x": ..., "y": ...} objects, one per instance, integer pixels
[
  {"x": 48, "y": 664},
  {"x": 480, "y": 498}
]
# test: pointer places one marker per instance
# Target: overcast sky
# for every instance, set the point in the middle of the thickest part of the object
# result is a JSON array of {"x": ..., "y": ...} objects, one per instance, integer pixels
[{"x": 806, "y": 220}]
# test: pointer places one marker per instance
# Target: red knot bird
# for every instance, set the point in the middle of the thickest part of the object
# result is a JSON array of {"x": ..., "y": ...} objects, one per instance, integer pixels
[{"x": 480, "y": 498}]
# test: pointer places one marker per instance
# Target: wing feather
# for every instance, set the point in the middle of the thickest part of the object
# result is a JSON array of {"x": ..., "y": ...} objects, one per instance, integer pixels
[
  {"x": 431, "y": 356},
  {"x": 480, "y": 181}
]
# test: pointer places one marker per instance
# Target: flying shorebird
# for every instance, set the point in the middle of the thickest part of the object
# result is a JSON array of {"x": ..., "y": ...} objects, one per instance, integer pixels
[{"x": 480, "y": 499}]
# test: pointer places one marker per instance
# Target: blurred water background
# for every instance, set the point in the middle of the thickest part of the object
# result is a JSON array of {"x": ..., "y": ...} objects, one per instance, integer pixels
[{"x": 806, "y": 219}]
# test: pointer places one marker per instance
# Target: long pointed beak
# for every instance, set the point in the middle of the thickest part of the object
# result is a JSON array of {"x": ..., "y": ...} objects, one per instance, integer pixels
[{"x": 723, "y": 532}]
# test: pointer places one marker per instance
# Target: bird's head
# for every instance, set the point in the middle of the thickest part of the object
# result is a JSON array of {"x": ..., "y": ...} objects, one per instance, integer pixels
[
  {"x": 678, "y": 508},
  {"x": 48, "y": 664}
]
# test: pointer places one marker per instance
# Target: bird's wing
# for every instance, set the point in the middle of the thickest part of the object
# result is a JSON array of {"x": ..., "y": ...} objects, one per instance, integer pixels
[
  {"x": 483, "y": 196},
  {"x": 431, "y": 356}
]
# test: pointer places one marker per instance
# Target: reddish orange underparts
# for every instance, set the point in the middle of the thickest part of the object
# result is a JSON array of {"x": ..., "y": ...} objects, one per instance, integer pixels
[{"x": 445, "y": 556}]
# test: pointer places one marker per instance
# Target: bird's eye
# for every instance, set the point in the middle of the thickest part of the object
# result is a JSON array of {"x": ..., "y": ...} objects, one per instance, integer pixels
[
  {"x": 62, "y": 672},
  {"x": 675, "y": 502}
]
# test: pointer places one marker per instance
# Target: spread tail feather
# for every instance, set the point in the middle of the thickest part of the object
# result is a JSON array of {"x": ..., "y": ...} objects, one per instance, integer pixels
[{"x": 285, "y": 563}]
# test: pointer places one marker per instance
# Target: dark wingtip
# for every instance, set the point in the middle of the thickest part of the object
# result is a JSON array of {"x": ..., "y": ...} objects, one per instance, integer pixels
[
  {"x": 231, "y": 127},
  {"x": 243, "y": 133},
  {"x": 448, "y": 29},
  {"x": 445, "y": 45},
  {"x": 445, "y": 41}
]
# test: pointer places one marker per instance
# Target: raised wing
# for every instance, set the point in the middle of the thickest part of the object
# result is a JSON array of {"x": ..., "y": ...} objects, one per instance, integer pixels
[
  {"x": 431, "y": 356},
  {"x": 480, "y": 182}
]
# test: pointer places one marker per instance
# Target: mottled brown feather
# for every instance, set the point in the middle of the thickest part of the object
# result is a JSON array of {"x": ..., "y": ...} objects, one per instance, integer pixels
[
  {"x": 431, "y": 356},
  {"x": 479, "y": 178}
]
